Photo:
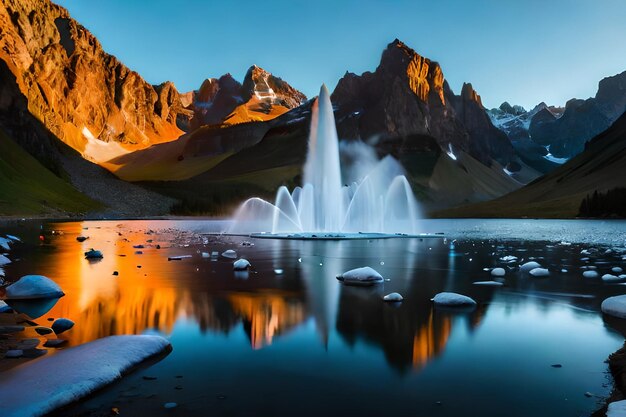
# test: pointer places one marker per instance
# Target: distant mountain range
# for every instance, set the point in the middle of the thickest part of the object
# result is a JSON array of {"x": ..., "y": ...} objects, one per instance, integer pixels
[{"x": 77, "y": 110}]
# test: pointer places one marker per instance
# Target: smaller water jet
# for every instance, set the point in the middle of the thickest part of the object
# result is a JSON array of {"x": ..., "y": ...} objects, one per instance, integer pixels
[{"x": 382, "y": 201}]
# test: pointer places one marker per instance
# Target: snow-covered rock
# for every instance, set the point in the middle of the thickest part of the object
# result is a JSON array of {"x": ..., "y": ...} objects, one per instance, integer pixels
[
  {"x": 616, "y": 409},
  {"x": 393, "y": 297},
  {"x": 73, "y": 373},
  {"x": 610, "y": 278},
  {"x": 33, "y": 286},
  {"x": 489, "y": 283},
  {"x": 498, "y": 272},
  {"x": 452, "y": 299},
  {"x": 590, "y": 274},
  {"x": 241, "y": 265},
  {"x": 529, "y": 266},
  {"x": 364, "y": 276},
  {"x": 231, "y": 254},
  {"x": 615, "y": 306},
  {"x": 62, "y": 325},
  {"x": 539, "y": 272}
]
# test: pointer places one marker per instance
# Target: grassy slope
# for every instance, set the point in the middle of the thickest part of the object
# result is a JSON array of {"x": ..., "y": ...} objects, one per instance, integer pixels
[{"x": 27, "y": 188}]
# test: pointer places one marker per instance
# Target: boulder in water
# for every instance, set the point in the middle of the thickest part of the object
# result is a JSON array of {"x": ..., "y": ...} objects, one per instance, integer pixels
[
  {"x": 393, "y": 297},
  {"x": 362, "y": 277},
  {"x": 32, "y": 287},
  {"x": 93, "y": 254},
  {"x": 230, "y": 254},
  {"x": 615, "y": 306},
  {"x": 539, "y": 272},
  {"x": 62, "y": 325},
  {"x": 498, "y": 272},
  {"x": 529, "y": 266},
  {"x": 241, "y": 265},
  {"x": 452, "y": 299}
]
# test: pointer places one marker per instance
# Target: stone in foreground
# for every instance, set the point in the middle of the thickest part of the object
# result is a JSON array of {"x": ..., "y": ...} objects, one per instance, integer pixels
[
  {"x": 362, "y": 277},
  {"x": 241, "y": 265},
  {"x": 615, "y": 306},
  {"x": 32, "y": 287},
  {"x": 529, "y": 266},
  {"x": 498, "y": 272},
  {"x": 393, "y": 297},
  {"x": 74, "y": 373},
  {"x": 539, "y": 272},
  {"x": 230, "y": 254},
  {"x": 62, "y": 325},
  {"x": 452, "y": 299},
  {"x": 616, "y": 409}
]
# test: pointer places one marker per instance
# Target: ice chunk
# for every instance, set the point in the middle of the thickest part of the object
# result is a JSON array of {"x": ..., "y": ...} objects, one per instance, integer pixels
[
  {"x": 364, "y": 276},
  {"x": 615, "y": 306},
  {"x": 590, "y": 274},
  {"x": 231, "y": 254},
  {"x": 498, "y": 272},
  {"x": 528, "y": 266},
  {"x": 452, "y": 299},
  {"x": 241, "y": 265},
  {"x": 489, "y": 283},
  {"x": 73, "y": 373},
  {"x": 393, "y": 297},
  {"x": 539, "y": 272},
  {"x": 33, "y": 286}
]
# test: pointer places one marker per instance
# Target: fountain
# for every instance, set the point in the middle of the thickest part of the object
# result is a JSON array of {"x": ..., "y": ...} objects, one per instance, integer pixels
[{"x": 380, "y": 202}]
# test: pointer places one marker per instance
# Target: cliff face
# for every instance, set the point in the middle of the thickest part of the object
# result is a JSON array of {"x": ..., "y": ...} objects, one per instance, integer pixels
[
  {"x": 261, "y": 97},
  {"x": 408, "y": 95},
  {"x": 78, "y": 91}
]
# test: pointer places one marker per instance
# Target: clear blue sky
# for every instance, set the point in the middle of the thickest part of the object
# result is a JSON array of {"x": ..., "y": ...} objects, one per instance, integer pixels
[{"x": 520, "y": 51}]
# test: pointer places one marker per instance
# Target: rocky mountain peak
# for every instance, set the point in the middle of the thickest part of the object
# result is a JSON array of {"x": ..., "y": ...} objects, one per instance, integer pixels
[
  {"x": 469, "y": 94},
  {"x": 262, "y": 85}
]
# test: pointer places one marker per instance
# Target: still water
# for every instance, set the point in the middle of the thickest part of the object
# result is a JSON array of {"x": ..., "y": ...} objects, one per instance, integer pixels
[{"x": 301, "y": 344}]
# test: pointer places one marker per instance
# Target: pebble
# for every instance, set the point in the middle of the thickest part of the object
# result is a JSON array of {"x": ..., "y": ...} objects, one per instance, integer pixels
[
  {"x": 62, "y": 325},
  {"x": 54, "y": 342},
  {"x": 170, "y": 405},
  {"x": 393, "y": 297},
  {"x": 43, "y": 330}
]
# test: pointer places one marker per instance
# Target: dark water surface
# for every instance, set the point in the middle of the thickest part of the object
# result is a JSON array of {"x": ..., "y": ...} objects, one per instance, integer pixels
[{"x": 301, "y": 344}]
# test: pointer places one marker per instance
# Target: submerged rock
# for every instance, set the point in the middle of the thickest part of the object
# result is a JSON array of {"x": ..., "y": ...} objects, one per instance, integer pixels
[
  {"x": 489, "y": 283},
  {"x": 393, "y": 297},
  {"x": 529, "y": 266},
  {"x": 615, "y": 306},
  {"x": 93, "y": 254},
  {"x": 241, "y": 265},
  {"x": 539, "y": 272},
  {"x": 231, "y": 254},
  {"x": 32, "y": 287},
  {"x": 452, "y": 299},
  {"x": 363, "y": 277},
  {"x": 62, "y": 325}
]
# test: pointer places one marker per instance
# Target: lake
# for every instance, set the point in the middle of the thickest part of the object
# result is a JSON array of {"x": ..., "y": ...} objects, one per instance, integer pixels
[{"x": 299, "y": 343}]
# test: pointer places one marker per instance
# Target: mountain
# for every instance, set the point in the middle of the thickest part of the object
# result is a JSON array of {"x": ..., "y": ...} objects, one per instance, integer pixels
[
  {"x": 600, "y": 167},
  {"x": 563, "y": 132},
  {"x": 407, "y": 94},
  {"x": 225, "y": 101},
  {"x": 447, "y": 143},
  {"x": 84, "y": 96}
]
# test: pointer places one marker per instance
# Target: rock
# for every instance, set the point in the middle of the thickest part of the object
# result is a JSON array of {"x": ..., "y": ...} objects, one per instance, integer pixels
[
  {"x": 241, "y": 264},
  {"x": 616, "y": 409},
  {"x": 33, "y": 286},
  {"x": 451, "y": 299},
  {"x": 588, "y": 394},
  {"x": 610, "y": 278},
  {"x": 488, "y": 283},
  {"x": 138, "y": 252},
  {"x": 116, "y": 273},
  {"x": 62, "y": 325},
  {"x": 43, "y": 330},
  {"x": 363, "y": 277},
  {"x": 82, "y": 238},
  {"x": 539, "y": 272},
  {"x": 498, "y": 272},
  {"x": 11, "y": 329},
  {"x": 93, "y": 254},
  {"x": 615, "y": 306},
  {"x": 556, "y": 365},
  {"x": 564, "y": 271},
  {"x": 4, "y": 307},
  {"x": 206, "y": 255},
  {"x": 278, "y": 271},
  {"x": 590, "y": 274},
  {"x": 54, "y": 343},
  {"x": 230, "y": 254},
  {"x": 138, "y": 247},
  {"x": 178, "y": 258},
  {"x": 393, "y": 297},
  {"x": 34, "y": 353},
  {"x": 170, "y": 405},
  {"x": 4, "y": 260},
  {"x": 528, "y": 266},
  {"x": 508, "y": 258},
  {"x": 616, "y": 269},
  {"x": 14, "y": 353},
  {"x": 26, "y": 344}
]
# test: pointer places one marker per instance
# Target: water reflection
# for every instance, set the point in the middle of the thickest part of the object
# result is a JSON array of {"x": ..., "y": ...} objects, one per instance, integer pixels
[{"x": 150, "y": 293}]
